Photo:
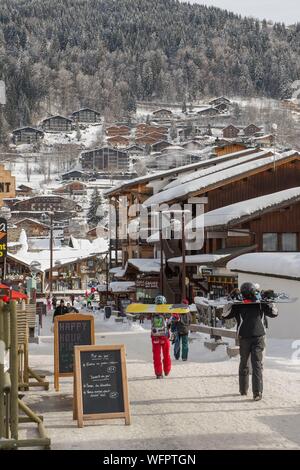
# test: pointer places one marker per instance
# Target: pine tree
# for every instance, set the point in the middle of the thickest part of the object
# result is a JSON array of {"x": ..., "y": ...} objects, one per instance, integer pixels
[{"x": 96, "y": 210}]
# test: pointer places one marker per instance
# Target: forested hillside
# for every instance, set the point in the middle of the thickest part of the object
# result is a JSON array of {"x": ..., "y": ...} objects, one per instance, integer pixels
[{"x": 57, "y": 55}]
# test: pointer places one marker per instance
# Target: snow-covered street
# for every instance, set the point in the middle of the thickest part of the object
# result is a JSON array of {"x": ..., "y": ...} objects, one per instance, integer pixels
[{"x": 196, "y": 407}]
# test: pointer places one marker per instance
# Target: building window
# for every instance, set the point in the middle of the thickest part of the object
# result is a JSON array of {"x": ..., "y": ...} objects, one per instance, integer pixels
[
  {"x": 270, "y": 242},
  {"x": 289, "y": 242}
]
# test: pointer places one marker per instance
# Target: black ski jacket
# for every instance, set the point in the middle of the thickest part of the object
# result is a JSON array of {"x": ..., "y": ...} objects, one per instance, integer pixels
[{"x": 250, "y": 317}]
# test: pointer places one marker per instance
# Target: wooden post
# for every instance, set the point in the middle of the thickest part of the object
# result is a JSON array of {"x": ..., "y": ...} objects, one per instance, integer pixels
[
  {"x": 13, "y": 362},
  {"x": 51, "y": 254},
  {"x": 161, "y": 255},
  {"x": 183, "y": 293},
  {"x": 2, "y": 352}
]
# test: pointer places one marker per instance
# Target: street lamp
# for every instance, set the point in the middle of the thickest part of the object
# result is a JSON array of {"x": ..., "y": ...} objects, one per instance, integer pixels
[
  {"x": 44, "y": 217},
  {"x": 5, "y": 213},
  {"x": 35, "y": 267},
  {"x": 182, "y": 212}
]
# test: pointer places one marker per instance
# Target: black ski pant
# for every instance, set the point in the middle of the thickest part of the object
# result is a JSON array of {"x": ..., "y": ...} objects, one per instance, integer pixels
[{"x": 251, "y": 347}]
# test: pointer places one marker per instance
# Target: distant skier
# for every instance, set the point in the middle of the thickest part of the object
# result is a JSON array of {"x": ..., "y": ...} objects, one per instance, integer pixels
[
  {"x": 160, "y": 342},
  {"x": 250, "y": 316},
  {"x": 180, "y": 329}
]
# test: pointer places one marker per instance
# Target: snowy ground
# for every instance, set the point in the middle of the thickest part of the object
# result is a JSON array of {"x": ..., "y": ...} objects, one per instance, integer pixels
[{"x": 196, "y": 407}]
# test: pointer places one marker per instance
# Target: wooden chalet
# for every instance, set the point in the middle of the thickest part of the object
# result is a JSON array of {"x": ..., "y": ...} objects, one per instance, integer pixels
[
  {"x": 160, "y": 146},
  {"x": 264, "y": 140},
  {"x": 251, "y": 130},
  {"x": 219, "y": 100},
  {"x": 209, "y": 111},
  {"x": 222, "y": 107},
  {"x": 27, "y": 135},
  {"x": 232, "y": 147},
  {"x": 86, "y": 116},
  {"x": 46, "y": 204},
  {"x": 24, "y": 191},
  {"x": 113, "y": 131},
  {"x": 135, "y": 150},
  {"x": 75, "y": 175},
  {"x": 75, "y": 188},
  {"x": 33, "y": 228},
  {"x": 105, "y": 159},
  {"x": 162, "y": 113},
  {"x": 264, "y": 176},
  {"x": 268, "y": 223},
  {"x": 140, "y": 189},
  {"x": 146, "y": 140},
  {"x": 57, "y": 124},
  {"x": 230, "y": 132},
  {"x": 118, "y": 141},
  {"x": 143, "y": 129},
  {"x": 192, "y": 145}
]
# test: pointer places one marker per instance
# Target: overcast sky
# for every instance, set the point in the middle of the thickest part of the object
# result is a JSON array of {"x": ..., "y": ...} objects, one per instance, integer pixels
[{"x": 287, "y": 11}]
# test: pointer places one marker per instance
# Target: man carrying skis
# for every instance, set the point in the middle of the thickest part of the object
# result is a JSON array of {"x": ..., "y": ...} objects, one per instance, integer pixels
[
  {"x": 160, "y": 341},
  {"x": 250, "y": 315}
]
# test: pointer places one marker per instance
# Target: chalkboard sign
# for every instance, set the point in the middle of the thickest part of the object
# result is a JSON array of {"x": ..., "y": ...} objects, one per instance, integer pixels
[
  {"x": 70, "y": 330},
  {"x": 100, "y": 383}
]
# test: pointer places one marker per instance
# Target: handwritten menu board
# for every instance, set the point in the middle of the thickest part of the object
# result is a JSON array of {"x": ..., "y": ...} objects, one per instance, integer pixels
[
  {"x": 101, "y": 390},
  {"x": 70, "y": 330}
]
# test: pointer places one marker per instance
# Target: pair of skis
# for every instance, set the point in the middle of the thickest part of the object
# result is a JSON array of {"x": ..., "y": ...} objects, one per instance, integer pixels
[{"x": 280, "y": 298}]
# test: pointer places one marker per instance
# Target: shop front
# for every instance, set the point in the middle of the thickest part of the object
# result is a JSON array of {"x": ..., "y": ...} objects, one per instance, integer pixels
[{"x": 147, "y": 288}]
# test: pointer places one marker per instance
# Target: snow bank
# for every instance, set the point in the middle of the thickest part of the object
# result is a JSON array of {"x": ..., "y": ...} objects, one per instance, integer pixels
[{"x": 279, "y": 264}]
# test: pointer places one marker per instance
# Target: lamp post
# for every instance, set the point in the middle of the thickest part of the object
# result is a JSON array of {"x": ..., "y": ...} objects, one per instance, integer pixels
[
  {"x": 161, "y": 277},
  {"x": 5, "y": 213},
  {"x": 182, "y": 212},
  {"x": 45, "y": 216},
  {"x": 35, "y": 267}
]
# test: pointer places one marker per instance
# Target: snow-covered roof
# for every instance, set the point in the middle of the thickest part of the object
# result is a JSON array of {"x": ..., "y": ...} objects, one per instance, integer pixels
[
  {"x": 86, "y": 109},
  {"x": 286, "y": 265},
  {"x": 179, "y": 169},
  {"x": 33, "y": 221},
  {"x": 118, "y": 271},
  {"x": 122, "y": 286},
  {"x": 57, "y": 116},
  {"x": 202, "y": 183},
  {"x": 221, "y": 166},
  {"x": 28, "y": 127},
  {"x": 250, "y": 207},
  {"x": 35, "y": 243},
  {"x": 63, "y": 254},
  {"x": 194, "y": 260},
  {"x": 173, "y": 147},
  {"x": 145, "y": 265}
]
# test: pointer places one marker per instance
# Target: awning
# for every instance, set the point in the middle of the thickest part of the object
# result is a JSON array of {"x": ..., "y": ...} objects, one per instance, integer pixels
[{"x": 13, "y": 294}]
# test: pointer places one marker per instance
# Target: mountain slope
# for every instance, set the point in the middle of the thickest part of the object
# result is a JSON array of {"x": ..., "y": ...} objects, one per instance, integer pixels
[{"x": 56, "y": 55}]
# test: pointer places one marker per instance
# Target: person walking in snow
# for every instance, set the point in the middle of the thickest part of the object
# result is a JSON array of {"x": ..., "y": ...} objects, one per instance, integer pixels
[
  {"x": 250, "y": 316},
  {"x": 180, "y": 324},
  {"x": 160, "y": 342},
  {"x": 61, "y": 309}
]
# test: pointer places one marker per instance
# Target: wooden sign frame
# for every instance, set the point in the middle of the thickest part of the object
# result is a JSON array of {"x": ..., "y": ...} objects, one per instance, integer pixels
[
  {"x": 78, "y": 403},
  {"x": 62, "y": 318}
]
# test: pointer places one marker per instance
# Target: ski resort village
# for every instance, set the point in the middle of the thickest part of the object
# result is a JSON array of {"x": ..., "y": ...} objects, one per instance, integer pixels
[{"x": 166, "y": 213}]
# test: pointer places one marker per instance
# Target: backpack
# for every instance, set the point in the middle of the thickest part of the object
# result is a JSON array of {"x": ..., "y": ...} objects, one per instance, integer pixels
[
  {"x": 159, "y": 326},
  {"x": 183, "y": 324}
]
